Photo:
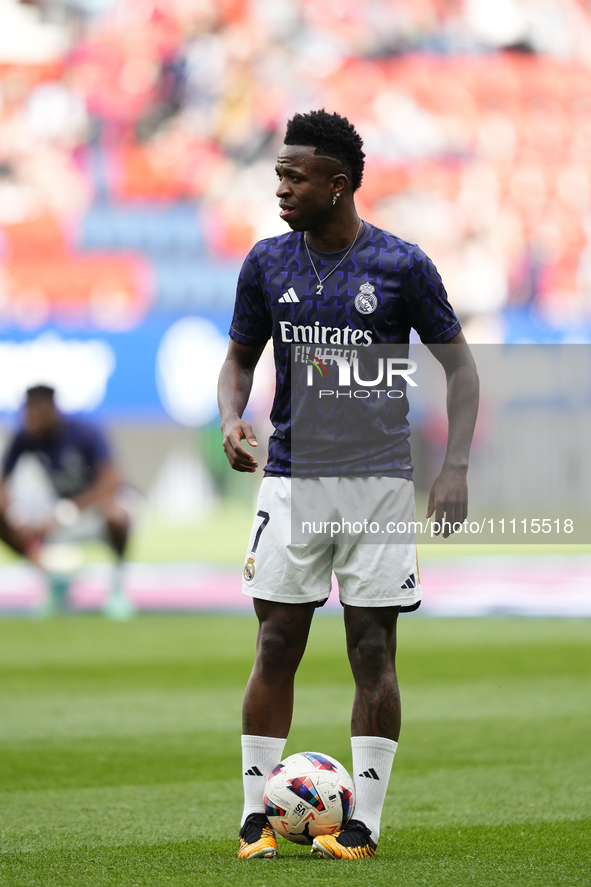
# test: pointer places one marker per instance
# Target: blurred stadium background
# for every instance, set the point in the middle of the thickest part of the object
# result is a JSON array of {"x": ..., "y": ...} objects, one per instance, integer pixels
[{"x": 137, "y": 141}]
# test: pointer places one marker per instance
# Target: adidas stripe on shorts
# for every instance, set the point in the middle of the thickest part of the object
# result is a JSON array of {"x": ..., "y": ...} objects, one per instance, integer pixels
[{"x": 368, "y": 575}]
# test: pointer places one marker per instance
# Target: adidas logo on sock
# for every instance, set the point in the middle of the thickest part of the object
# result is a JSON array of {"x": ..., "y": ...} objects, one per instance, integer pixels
[
  {"x": 254, "y": 771},
  {"x": 370, "y": 774},
  {"x": 289, "y": 296}
]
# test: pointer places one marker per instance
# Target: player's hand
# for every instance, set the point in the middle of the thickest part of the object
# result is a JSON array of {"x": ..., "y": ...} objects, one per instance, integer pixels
[
  {"x": 448, "y": 499},
  {"x": 239, "y": 458}
]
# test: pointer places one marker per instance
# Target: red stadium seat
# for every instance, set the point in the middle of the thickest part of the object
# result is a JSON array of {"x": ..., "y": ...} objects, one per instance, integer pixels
[{"x": 74, "y": 286}]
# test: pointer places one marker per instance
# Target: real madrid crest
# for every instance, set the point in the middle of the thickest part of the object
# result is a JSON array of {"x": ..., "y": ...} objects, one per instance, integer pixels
[
  {"x": 248, "y": 571},
  {"x": 366, "y": 301}
]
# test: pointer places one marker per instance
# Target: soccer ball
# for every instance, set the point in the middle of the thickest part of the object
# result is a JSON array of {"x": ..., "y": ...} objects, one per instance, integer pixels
[{"x": 307, "y": 795}]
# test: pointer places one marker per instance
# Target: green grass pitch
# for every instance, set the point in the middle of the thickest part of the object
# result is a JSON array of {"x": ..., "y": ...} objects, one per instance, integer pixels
[{"x": 120, "y": 764}]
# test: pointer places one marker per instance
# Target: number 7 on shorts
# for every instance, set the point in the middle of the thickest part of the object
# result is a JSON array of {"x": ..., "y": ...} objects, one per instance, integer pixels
[{"x": 264, "y": 522}]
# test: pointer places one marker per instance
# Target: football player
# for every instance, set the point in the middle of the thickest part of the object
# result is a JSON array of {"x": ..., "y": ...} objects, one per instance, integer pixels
[
  {"x": 336, "y": 280},
  {"x": 89, "y": 501}
]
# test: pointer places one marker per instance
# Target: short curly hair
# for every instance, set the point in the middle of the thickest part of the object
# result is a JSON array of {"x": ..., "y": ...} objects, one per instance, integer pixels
[
  {"x": 41, "y": 392},
  {"x": 331, "y": 135}
]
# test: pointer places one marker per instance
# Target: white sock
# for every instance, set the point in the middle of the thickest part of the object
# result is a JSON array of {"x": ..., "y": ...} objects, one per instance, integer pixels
[
  {"x": 260, "y": 755},
  {"x": 116, "y": 579},
  {"x": 373, "y": 757}
]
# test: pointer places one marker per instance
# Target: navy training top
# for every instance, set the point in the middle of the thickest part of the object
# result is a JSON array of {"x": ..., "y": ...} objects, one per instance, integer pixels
[
  {"x": 383, "y": 287},
  {"x": 71, "y": 457}
]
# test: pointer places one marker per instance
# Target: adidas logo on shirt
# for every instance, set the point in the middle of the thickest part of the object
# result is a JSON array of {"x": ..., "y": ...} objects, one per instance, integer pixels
[
  {"x": 289, "y": 296},
  {"x": 370, "y": 774},
  {"x": 254, "y": 771}
]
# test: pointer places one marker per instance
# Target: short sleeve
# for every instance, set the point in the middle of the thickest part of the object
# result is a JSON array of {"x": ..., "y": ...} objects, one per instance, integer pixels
[
  {"x": 251, "y": 323},
  {"x": 15, "y": 450},
  {"x": 95, "y": 446},
  {"x": 428, "y": 307}
]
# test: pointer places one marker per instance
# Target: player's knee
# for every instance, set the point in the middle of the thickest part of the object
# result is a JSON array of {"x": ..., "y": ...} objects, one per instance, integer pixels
[
  {"x": 370, "y": 655},
  {"x": 116, "y": 518},
  {"x": 279, "y": 650}
]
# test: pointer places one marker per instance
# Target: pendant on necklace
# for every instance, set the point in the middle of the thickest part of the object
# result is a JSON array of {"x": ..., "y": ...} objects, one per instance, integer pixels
[{"x": 319, "y": 289}]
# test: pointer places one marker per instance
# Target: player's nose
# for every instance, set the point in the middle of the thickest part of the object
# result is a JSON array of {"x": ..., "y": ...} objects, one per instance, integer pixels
[{"x": 282, "y": 189}]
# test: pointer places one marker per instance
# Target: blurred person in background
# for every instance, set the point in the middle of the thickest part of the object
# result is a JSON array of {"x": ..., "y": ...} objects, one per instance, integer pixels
[{"x": 86, "y": 500}]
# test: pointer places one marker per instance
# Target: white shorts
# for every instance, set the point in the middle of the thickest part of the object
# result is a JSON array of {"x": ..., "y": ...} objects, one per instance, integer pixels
[
  {"x": 369, "y": 575},
  {"x": 33, "y": 499},
  {"x": 91, "y": 524}
]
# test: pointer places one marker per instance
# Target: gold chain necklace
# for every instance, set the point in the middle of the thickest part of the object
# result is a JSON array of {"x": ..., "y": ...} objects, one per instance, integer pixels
[{"x": 320, "y": 284}]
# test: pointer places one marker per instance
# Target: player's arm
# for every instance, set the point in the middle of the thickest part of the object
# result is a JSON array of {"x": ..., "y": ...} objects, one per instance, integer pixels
[
  {"x": 234, "y": 387},
  {"x": 4, "y": 498},
  {"x": 449, "y": 493},
  {"x": 10, "y": 457},
  {"x": 102, "y": 490},
  {"x": 20, "y": 538}
]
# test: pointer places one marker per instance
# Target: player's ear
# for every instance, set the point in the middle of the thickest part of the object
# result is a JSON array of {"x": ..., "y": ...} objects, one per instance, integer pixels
[{"x": 338, "y": 184}]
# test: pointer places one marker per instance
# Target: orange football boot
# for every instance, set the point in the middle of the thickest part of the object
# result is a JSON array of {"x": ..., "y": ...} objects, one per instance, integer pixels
[
  {"x": 257, "y": 838},
  {"x": 351, "y": 842}
]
